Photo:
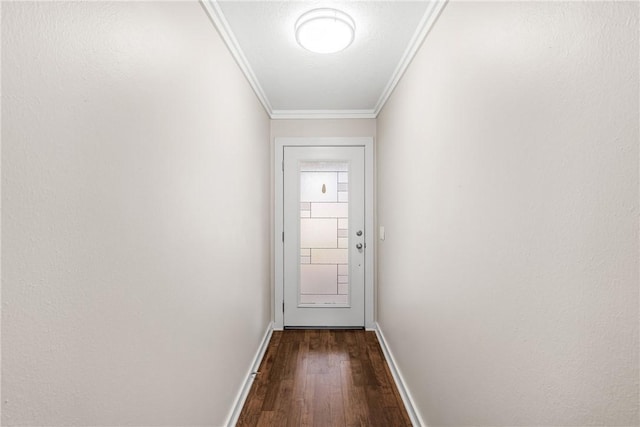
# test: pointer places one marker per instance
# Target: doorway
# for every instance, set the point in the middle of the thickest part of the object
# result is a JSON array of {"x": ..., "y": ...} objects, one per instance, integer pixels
[{"x": 324, "y": 221}]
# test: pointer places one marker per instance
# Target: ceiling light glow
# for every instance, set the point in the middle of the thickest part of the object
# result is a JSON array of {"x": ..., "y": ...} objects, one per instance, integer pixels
[{"x": 325, "y": 30}]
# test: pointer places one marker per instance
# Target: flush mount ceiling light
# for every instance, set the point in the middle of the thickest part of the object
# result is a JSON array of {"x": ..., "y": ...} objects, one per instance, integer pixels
[{"x": 325, "y": 30}]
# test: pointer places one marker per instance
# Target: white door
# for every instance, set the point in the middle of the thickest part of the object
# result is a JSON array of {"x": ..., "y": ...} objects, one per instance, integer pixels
[{"x": 324, "y": 236}]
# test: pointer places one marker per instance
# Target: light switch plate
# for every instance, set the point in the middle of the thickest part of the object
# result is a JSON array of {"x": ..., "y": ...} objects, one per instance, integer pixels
[{"x": 381, "y": 233}]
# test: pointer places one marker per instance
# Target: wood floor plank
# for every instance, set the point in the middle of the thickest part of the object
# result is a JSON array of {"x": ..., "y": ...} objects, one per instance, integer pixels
[
  {"x": 325, "y": 378},
  {"x": 336, "y": 403},
  {"x": 283, "y": 406},
  {"x": 383, "y": 377},
  {"x": 266, "y": 419},
  {"x": 354, "y": 398},
  {"x": 253, "y": 407},
  {"x": 300, "y": 378},
  {"x": 276, "y": 375},
  {"x": 322, "y": 401},
  {"x": 307, "y": 413}
]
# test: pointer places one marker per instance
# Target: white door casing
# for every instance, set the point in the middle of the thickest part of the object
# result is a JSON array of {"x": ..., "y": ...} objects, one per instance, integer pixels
[{"x": 288, "y": 244}]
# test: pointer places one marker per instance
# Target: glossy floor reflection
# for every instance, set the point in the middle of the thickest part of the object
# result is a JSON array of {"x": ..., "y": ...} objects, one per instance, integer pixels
[{"x": 324, "y": 378}]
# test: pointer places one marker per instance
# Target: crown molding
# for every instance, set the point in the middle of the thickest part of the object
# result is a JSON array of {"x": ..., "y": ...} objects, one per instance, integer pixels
[
  {"x": 429, "y": 18},
  {"x": 424, "y": 27},
  {"x": 214, "y": 12},
  {"x": 322, "y": 114}
]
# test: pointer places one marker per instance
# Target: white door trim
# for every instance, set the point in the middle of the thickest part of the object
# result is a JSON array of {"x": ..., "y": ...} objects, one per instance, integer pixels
[{"x": 367, "y": 143}]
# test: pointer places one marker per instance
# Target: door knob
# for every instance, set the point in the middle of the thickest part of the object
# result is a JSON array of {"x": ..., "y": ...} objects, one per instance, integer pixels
[{"x": 359, "y": 246}]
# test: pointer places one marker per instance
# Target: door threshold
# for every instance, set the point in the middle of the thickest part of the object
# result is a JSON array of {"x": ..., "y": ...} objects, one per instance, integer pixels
[{"x": 324, "y": 327}]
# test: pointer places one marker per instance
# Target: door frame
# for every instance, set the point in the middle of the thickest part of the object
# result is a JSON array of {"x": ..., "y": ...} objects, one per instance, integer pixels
[{"x": 278, "y": 227}]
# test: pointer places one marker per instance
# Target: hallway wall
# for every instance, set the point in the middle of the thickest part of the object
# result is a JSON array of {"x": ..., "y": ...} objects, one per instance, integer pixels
[
  {"x": 508, "y": 187},
  {"x": 323, "y": 128},
  {"x": 135, "y": 169}
]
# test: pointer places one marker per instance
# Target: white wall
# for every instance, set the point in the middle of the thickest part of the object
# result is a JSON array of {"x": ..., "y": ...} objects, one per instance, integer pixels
[
  {"x": 323, "y": 128},
  {"x": 508, "y": 186},
  {"x": 135, "y": 243}
]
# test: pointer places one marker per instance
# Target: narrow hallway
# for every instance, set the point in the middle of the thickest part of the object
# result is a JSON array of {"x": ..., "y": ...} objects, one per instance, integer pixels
[
  {"x": 324, "y": 378},
  {"x": 170, "y": 204}
]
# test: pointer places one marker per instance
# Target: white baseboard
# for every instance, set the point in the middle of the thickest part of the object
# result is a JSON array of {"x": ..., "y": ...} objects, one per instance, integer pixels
[
  {"x": 414, "y": 415},
  {"x": 241, "y": 397}
]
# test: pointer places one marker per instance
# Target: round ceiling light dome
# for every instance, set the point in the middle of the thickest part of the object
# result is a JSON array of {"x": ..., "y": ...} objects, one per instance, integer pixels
[{"x": 325, "y": 30}]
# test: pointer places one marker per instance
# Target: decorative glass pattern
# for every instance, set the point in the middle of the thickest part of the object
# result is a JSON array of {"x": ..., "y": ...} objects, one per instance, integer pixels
[{"x": 324, "y": 212}]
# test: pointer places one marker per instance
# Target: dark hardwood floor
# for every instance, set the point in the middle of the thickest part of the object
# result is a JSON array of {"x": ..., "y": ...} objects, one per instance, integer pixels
[{"x": 324, "y": 378}]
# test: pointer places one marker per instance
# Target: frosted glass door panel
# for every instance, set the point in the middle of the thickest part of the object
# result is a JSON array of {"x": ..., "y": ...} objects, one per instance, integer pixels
[
  {"x": 330, "y": 210},
  {"x": 318, "y": 186},
  {"x": 329, "y": 256},
  {"x": 318, "y": 279},
  {"x": 324, "y": 207},
  {"x": 318, "y": 233}
]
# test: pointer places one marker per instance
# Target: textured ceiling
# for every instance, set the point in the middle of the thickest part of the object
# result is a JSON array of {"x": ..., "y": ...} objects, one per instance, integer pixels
[{"x": 294, "y": 82}]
